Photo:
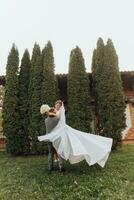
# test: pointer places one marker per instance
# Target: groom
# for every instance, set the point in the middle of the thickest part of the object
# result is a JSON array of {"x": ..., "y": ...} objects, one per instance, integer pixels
[{"x": 50, "y": 123}]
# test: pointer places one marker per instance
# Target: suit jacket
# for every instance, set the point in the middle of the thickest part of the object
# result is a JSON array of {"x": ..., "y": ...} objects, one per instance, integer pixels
[{"x": 50, "y": 123}]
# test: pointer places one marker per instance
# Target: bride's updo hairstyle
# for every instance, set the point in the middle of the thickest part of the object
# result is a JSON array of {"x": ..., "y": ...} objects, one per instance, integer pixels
[{"x": 58, "y": 102}]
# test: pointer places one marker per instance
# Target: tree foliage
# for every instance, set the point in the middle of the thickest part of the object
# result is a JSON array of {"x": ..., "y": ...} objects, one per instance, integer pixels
[
  {"x": 24, "y": 78},
  {"x": 79, "y": 112},
  {"x": 49, "y": 83},
  {"x": 10, "y": 104},
  {"x": 108, "y": 92},
  {"x": 35, "y": 92}
]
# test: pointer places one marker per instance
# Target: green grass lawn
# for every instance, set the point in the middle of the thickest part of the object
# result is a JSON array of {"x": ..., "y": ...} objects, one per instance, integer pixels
[{"x": 26, "y": 178}]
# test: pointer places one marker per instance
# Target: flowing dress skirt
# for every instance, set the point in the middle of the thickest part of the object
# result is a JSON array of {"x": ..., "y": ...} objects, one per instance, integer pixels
[{"x": 75, "y": 145}]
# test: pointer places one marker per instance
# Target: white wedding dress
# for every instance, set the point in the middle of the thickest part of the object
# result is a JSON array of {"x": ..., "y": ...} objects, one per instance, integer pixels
[{"x": 75, "y": 145}]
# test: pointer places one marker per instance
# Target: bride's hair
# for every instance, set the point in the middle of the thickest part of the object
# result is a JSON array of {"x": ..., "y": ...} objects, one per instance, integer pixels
[{"x": 59, "y": 101}]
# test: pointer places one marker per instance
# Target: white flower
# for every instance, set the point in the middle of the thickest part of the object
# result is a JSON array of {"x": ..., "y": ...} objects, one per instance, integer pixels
[{"x": 44, "y": 108}]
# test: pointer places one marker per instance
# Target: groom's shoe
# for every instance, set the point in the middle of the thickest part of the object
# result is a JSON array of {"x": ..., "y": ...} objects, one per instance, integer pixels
[{"x": 50, "y": 169}]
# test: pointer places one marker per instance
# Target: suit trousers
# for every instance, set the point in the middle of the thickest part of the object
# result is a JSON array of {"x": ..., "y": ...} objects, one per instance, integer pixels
[{"x": 51, "y": 151}]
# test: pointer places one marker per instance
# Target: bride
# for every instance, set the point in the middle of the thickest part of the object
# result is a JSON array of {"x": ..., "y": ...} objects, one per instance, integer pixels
[{"x": 75, "y": 145}]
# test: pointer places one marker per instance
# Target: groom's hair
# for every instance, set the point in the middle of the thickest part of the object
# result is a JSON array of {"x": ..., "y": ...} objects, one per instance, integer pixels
[
  {"x": 52, "y": 109},
  {"x": 58, "y": 101}
]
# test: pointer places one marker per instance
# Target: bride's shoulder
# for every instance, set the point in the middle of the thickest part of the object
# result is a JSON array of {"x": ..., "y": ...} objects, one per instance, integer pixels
[{"x": 58, "y": 113}]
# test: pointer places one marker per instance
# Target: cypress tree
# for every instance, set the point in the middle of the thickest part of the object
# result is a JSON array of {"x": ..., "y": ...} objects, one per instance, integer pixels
[
  {"x": 36, "y": 52},
  {"x": 109, "y": 94},
  {"x": 116, "y": 100},
  {"x": 10, "y": 104},
  {"x": 49, "y": 84},
  {"x": 79, "y": 113},
  {"x": 36, "y": 118},
  {"x": 93, "y": 68},
  {"x": 49, "y": 88},
  {"x": 93, "y": 92},
  {"x": 35, "y": 90},
  {"x": 24, "y": 78},
  {"x": 98, "y": 77}
]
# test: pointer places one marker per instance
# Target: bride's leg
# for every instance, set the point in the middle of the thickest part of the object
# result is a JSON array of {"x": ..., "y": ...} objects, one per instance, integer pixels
[{"x": 55, "y": 156}]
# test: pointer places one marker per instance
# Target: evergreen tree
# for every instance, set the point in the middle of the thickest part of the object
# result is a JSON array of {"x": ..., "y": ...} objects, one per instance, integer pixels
[
  {"x": 49, "y": 88},
  {"x": 116, "y": 105},
  {"x": 109, "y": 94},
  {"x": 35, "y": 90},
  {"x": 49, "y": 84},
  {"x": 36, "y": 52},
  {"x": 10, "y": 104},
  {"x": 93, "y": 68},
  {"x": 97, "y": 77},
  {"x": 24, "y": 78},
  {"x": 79, "y": 112}
]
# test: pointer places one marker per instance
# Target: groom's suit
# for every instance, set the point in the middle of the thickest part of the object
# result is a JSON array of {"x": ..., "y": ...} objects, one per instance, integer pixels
[{"x": 50, "y": 123}]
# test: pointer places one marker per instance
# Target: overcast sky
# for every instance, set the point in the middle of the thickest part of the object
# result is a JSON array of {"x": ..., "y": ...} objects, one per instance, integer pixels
[{"x": 67, "y": 23}]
